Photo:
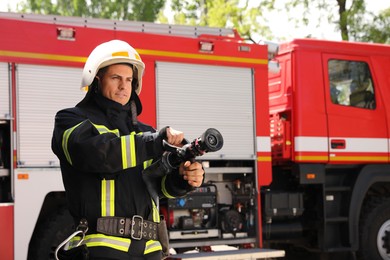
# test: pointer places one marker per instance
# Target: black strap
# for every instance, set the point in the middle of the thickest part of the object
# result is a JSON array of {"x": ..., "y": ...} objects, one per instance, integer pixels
[{"x": 136, "y": 227}]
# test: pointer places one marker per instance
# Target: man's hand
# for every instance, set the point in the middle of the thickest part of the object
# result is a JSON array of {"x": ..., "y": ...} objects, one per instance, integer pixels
[
  {"x": 192, "y": 172},
  {"x": 174, "y": 137}
]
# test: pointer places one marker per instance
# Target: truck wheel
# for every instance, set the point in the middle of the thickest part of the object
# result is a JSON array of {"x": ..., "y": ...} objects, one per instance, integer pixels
[
  {"x": 49, "y": 234},
  {"x": 375, "y": 230}
]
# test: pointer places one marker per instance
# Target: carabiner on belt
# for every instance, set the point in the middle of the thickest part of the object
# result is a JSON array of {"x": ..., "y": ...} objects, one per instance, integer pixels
[{"x": 81, "y": 229}]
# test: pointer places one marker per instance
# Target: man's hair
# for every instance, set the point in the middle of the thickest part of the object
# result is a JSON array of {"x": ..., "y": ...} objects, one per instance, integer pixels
[{"x": 103, "y": 71}]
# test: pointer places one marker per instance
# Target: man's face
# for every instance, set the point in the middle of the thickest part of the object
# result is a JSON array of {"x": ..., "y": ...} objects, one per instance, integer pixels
[{"x": 116, "y": 83}]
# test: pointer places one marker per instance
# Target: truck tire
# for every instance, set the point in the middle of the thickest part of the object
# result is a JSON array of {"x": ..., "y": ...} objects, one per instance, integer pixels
[
  {"x": 49, "y": 234},
  {"x": 375, "y": 230}
]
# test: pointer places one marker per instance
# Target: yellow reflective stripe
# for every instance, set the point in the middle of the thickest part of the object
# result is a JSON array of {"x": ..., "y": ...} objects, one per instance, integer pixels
[
  {"x": 108, "y": 198},
  {"x": 128, "y": 150},
  {"x": 155, "y": 213},
  {"x": 79, "y": 59},
  {"x": 147, "y": 163},
  {"x": 65, "y": 139},
  {"x": 103, "y": 198},
  {"x": 201, "y": 56},
  {"x": 164, "y": 190},
  {"x": 112, "y": 197},
  {"x": 132, "y": 150},
  {"x": 124, "y": 151},
  {"x": 92, "y": 240},
  {"x": 152, "y": 246},
  {"x": 103, "y": 130}
]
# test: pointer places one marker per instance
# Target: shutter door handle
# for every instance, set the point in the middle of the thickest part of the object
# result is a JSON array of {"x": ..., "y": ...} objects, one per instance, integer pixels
[{"x": 337, "y": 144}]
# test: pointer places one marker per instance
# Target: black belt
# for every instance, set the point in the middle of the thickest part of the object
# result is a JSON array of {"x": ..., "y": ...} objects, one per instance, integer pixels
[{"x": 136, "y": 227}]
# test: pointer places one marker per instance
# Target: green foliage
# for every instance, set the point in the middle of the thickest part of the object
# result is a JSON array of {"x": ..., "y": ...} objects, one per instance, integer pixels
[
  {"x": 247, "y": 16},
  {"x": 138, "y": 10},
  {"x": 350, "y": 17},
  {"x": 376, "y": 31},
  {"x": 239, "y": 14},
  {"x": 145, "y": 10}
]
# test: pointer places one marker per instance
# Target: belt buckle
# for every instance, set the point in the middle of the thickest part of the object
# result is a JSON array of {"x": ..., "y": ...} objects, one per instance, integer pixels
[{"x": 132, "y": 232}]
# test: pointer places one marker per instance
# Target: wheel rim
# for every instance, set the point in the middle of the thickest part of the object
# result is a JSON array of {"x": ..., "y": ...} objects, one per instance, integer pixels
[{"x": 383, "y": 240}]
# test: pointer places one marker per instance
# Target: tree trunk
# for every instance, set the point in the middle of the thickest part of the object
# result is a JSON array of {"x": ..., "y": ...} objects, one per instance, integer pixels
[{"x": 343, "y": 22}]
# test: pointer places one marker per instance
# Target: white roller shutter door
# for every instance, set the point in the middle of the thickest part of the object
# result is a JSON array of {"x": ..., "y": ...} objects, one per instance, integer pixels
[
  {"x": 192, "y": 98},
  {"x": 42, "y": 91},
  {"x": 4, "y": 92}
]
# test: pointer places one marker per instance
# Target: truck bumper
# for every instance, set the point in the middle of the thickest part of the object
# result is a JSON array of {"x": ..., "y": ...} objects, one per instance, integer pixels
[{"x": 243, "y": 254}]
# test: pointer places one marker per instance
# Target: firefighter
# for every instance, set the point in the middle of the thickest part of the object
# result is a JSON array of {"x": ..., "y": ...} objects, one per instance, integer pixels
[{"x": 103, "y": 150}]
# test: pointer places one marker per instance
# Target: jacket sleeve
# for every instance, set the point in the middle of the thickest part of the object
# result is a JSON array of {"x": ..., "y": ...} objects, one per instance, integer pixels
[
  {"x": 173, "y": 185},
  {"x": 165, "y": 181},
  {"x": 95, "y": 148}
]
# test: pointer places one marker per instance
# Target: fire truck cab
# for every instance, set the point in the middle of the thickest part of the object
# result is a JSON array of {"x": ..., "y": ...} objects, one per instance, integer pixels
[{"x": 329, "y": 123}]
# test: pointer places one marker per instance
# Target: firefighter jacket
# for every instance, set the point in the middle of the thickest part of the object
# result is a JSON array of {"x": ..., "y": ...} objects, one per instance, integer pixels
[{"x": 102, "y": 156}]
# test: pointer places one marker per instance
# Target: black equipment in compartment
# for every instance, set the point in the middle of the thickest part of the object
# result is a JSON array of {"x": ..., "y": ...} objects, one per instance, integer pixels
[{"x": 194, "y": 215}]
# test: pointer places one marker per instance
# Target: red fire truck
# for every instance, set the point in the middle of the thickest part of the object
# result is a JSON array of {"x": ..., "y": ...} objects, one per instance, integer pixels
[{"x": 305, "y": 162}]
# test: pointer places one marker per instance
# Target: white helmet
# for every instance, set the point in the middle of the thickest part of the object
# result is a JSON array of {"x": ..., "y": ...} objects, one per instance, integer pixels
[{"x": 108, "y": 53}]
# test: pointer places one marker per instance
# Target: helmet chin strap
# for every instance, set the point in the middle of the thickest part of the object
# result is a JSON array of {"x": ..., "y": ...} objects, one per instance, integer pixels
[
  {"x": 97, "y": 86},
  {"x": 133, "y": 109}
]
